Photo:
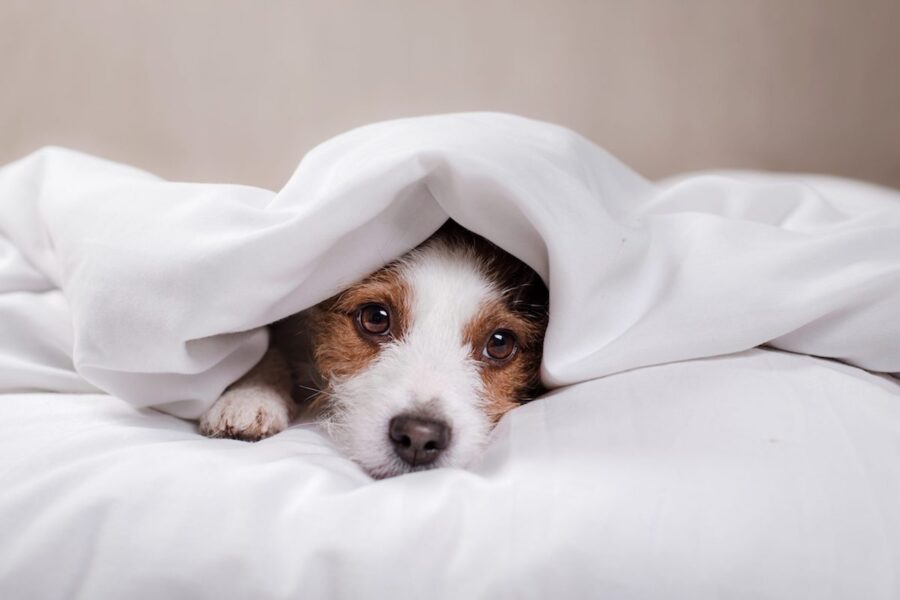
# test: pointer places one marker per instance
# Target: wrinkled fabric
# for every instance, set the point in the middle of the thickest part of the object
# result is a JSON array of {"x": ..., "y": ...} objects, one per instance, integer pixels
[
  {"x": 166, "y": 285},
  {"x": 672, "y": 459},
  {"x": 761, "y": 474}
]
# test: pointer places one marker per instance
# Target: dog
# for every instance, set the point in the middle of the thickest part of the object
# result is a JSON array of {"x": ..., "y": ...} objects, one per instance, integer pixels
[{"x": 409, "y": 369}]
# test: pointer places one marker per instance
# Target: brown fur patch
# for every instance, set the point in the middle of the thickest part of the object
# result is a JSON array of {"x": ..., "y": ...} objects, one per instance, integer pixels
[
  {"x": 339, "y": 349},
  {"x": 511, "y": 382}
]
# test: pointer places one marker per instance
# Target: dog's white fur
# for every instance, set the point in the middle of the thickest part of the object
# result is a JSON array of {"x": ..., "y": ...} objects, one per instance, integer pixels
[
  {"x": 257, "y": 406},
  {"x": 430, "y": 371}
]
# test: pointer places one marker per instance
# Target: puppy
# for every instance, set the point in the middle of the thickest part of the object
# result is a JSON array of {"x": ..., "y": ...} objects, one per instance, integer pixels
[{"x": 410, "y": 368}]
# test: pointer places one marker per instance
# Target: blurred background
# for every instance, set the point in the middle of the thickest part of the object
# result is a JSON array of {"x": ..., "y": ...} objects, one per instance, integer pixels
[{"x": 238, "y": 90}]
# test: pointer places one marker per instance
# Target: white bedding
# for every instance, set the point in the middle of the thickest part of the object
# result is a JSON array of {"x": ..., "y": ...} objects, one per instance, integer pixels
[{"x": 672, "y": 461}]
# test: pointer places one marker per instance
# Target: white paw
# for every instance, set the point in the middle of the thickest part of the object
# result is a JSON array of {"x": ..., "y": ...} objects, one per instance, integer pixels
[{"x": 249, "y": 415}]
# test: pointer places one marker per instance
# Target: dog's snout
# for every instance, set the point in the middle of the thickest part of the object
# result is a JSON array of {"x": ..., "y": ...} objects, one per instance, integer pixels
[{"x": 418, "y": 441}]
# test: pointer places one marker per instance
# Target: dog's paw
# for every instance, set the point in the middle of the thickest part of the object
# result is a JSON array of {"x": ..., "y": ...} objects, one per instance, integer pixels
[{"x": 248, "y": 415}]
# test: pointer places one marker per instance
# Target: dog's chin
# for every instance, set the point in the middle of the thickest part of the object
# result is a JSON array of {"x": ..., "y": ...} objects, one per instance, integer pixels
[
  {"x": 395, "y": 470},
  {"x": 386, "y": 464}
]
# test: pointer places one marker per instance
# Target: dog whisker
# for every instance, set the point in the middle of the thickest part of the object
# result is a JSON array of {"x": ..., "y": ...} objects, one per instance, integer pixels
[{"x": 314, "y": 390}]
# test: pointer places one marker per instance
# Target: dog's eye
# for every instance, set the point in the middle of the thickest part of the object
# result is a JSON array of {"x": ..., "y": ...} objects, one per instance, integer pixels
[
  {"x": 500, "y": 345},
  {"x": 374, "y": 319}
]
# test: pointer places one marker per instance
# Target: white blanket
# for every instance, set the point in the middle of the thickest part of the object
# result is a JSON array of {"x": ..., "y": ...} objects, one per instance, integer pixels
[{"x": 683, "y": 473}]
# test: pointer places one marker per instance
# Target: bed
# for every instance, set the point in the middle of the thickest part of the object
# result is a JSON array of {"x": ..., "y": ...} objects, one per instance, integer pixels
[{"x": 723, "y": 420}]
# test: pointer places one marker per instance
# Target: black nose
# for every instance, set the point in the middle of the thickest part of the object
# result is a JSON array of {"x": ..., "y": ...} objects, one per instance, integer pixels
[{"x": 418, "y": 441}]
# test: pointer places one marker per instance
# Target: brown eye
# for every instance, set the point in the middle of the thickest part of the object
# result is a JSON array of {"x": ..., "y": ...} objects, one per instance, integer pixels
[
  {"x": 374, "y": 319},
  {"x": 500, "y": 345}
]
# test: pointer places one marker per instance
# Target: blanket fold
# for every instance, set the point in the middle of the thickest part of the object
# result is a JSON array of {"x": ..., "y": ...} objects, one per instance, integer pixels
[{"x": 157, "y": 291}]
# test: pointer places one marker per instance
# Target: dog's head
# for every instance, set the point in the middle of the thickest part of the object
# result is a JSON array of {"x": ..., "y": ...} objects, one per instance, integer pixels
[{"x": 418, "y": 361}]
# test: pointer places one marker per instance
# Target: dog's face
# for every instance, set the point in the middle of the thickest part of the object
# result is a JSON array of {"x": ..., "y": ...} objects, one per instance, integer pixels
[{"x": 420, "y": 360}]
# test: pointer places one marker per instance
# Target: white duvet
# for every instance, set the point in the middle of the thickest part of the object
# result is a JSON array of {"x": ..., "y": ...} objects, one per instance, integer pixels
[{"x": 674, "y": 458}]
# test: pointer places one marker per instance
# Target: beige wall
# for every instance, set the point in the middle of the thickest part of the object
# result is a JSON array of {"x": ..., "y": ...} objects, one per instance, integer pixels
[{"x": 230, "y": 90}]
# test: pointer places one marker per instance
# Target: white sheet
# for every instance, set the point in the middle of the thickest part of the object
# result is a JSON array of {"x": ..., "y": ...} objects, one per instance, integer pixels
[
  {"x": 168, "y": 283},
  {"x": 758, "y": 475},
  {"x": 689, "y": 471}
]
